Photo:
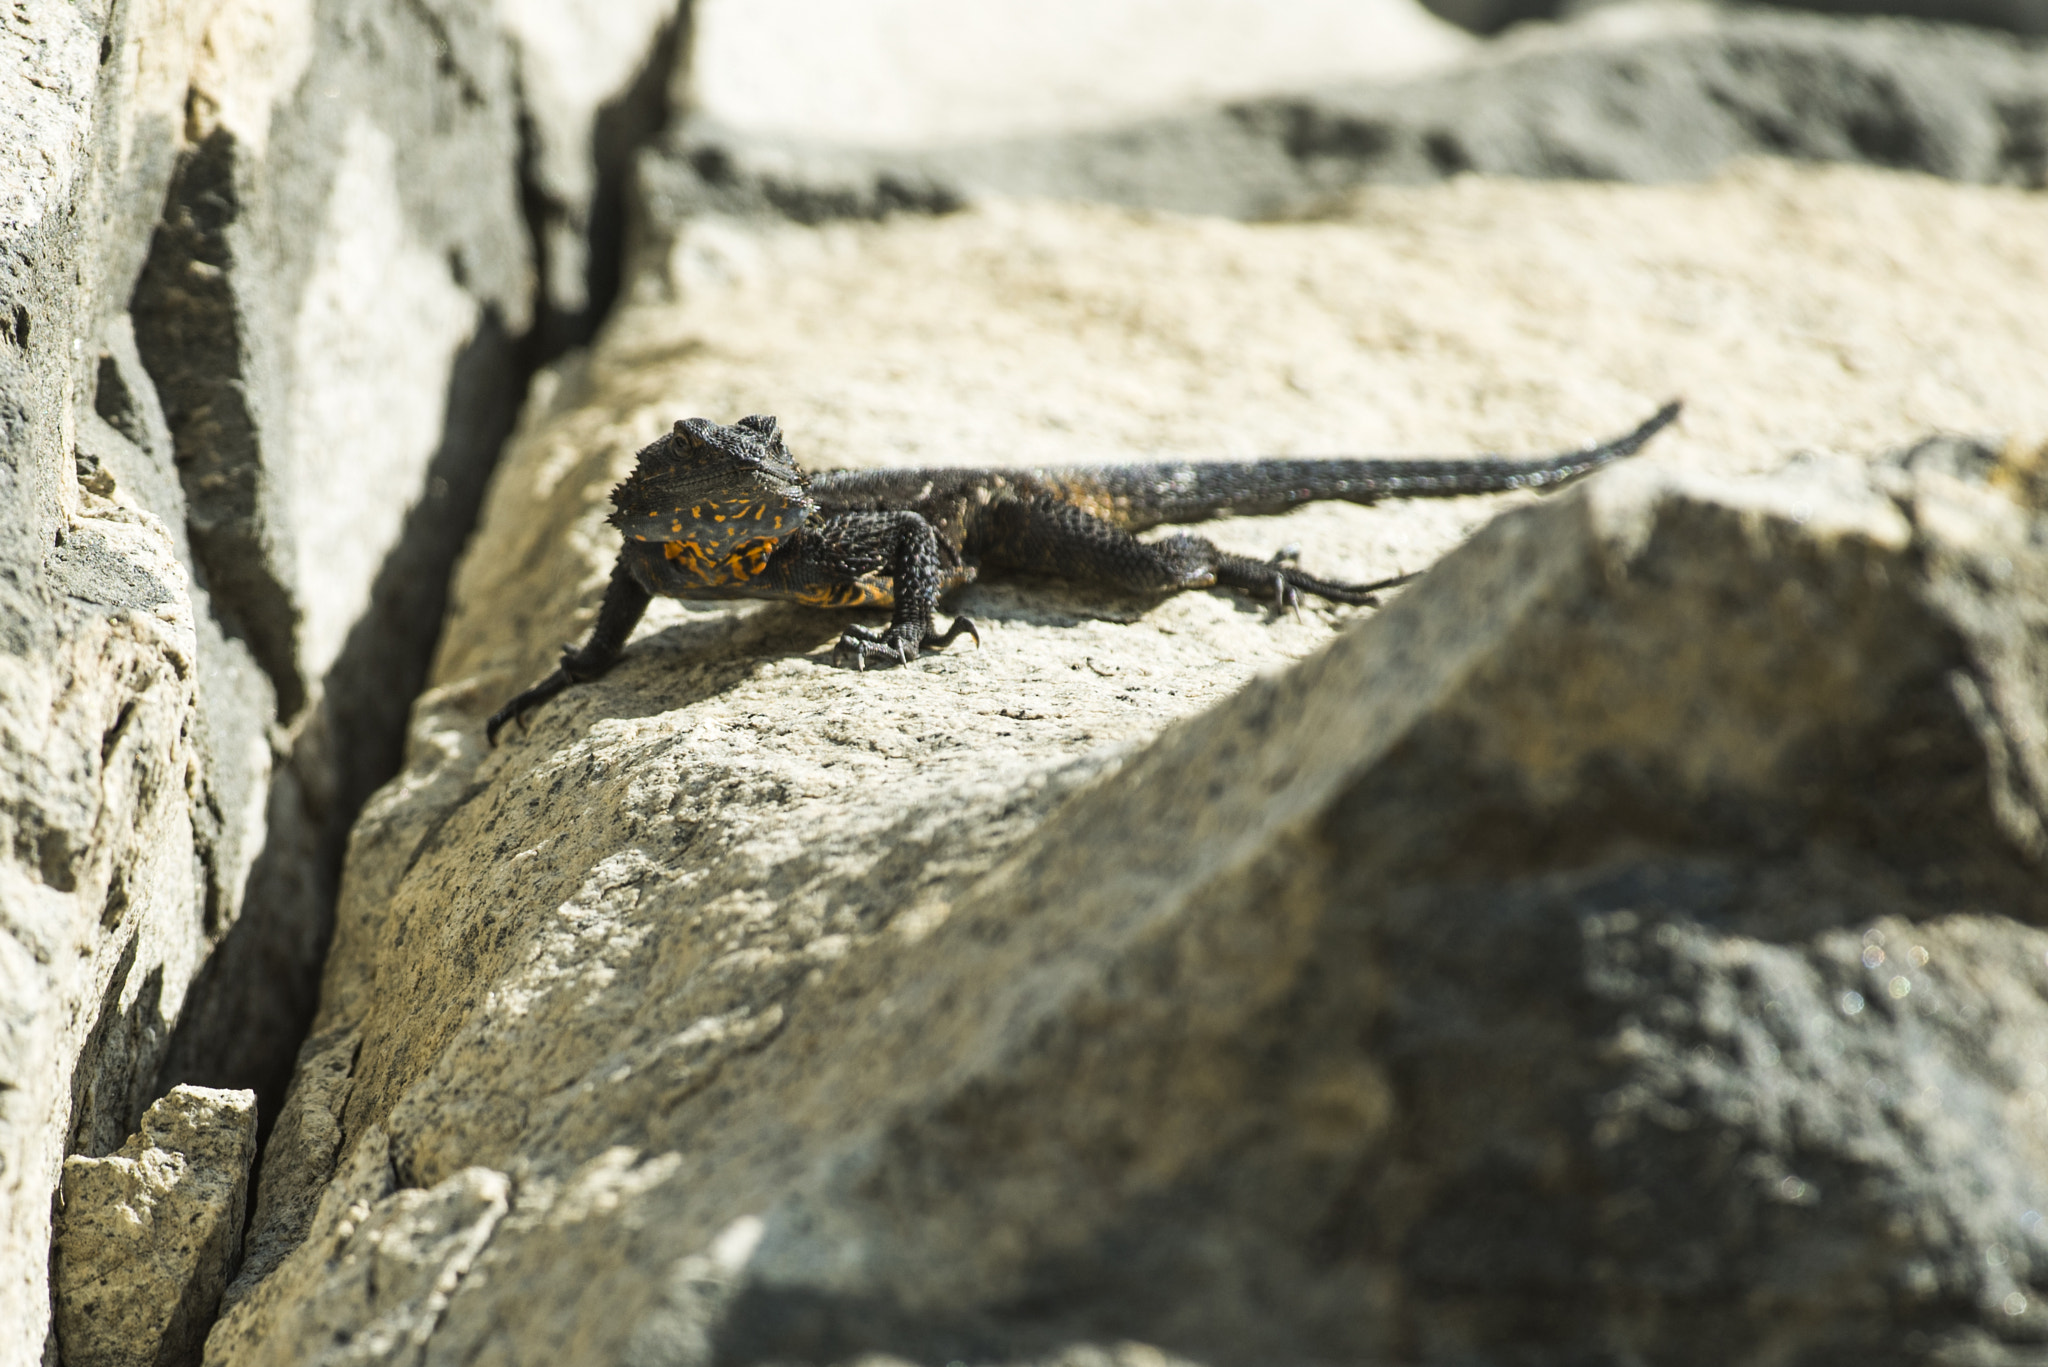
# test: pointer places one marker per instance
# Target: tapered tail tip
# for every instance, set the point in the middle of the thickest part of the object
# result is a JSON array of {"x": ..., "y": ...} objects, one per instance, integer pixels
[{"x": 1660, "y": 420}]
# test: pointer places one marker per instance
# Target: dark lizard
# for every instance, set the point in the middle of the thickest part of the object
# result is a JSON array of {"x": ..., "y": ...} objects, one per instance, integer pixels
[{"x": 724, "y": 512}]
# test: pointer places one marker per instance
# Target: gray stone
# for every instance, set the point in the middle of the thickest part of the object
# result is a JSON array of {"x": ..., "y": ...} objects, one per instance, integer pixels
[
  {"x": 306, "y": 1142},
  {"x": 398, "y": 1258},
  {"x": 2016, "y": 16},
  {"x": 594, "y": 83},
  {"x": 1629, "y": 943},
  {"x": 2029, "y": 17},
  {"x": 146, "y": 1238},
  {"x": 1639, "y": 93},
  {"x": 264, "y": 274},
  {"x": 103, "y": 780},
  {"x": 1160, "y": 974},
  {"x": 328, "y": 311}
]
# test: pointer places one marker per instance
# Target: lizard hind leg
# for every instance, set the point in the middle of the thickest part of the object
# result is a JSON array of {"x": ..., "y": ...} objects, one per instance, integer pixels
[
  {"x": 1284, "y": 583},
  {"x": 1058, "y": 538}
]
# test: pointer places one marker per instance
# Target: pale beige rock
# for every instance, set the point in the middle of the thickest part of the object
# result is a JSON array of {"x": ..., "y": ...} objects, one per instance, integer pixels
[
  {"x": 307, "y": 1141},
  {"x": 148, "y": 1235},
  {"x": 395, "y": 1259},
  {"x": 109, "y": 807},
  {"x": 708, "y": 960},
  {"x": 103, "y": 925},
  {"x": 362, "y": 305}
]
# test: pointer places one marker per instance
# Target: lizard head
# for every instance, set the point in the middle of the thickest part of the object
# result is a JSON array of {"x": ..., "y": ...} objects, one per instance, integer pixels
[{"x": 714, "y": 488}]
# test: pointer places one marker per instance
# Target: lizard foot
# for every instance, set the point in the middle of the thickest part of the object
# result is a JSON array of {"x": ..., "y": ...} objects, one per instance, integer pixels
[
  {"x": 575, "y": 668},
  {"x": 896, "y": 644},
  {"x": 961, "y": 626},
  {"x": 1286, "y": 584},
  {"x": 517, "y": 709},
  {"x": 862, "y": 642}
]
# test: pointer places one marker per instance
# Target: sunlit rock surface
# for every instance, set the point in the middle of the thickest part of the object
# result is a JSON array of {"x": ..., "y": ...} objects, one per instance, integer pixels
[
  {"x": 264, "y": 267},
  {"x": 1631, "y": 933},
  {"x": 148, "y": 1235}
]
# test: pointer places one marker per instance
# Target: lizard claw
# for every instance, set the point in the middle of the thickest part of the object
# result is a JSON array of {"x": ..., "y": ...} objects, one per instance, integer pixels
[
  {"x": 861, "y": 641},
  {"x": 517, "y": 709},
  {"x": 961, "y": 625},
  {"x": 1285, "y": 595}
]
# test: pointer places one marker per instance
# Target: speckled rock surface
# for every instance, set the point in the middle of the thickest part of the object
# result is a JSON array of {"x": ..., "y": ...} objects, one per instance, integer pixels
[
  {"x": 148, "y": 1235},
  {"x": 954, "y": 1011},
  {"x": 121, "y": 807}
]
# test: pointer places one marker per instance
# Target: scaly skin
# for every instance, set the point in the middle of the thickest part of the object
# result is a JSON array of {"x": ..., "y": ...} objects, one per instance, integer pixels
[{"x": 724, "y": 512}]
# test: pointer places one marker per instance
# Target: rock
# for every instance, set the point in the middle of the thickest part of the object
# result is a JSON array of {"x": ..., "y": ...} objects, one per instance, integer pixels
[
  {"x": 306, "y": 1144},
  {"x": 109, "y": 809},
  {"x": 594, "y": 87},
  {"x": 2016, "y": 16},
  {"x": 398, "y": 1257},
  {"x": 332, "y": 408},
  {"x": 920, "y": 73},
  {"x": 265, "y": 279},
  {"x": 1636, "y": 93},
  {"x": 1411, "y": 1004},
  {"x": 147, "y": 1236},
  {"x": 2029, "y": 17}
]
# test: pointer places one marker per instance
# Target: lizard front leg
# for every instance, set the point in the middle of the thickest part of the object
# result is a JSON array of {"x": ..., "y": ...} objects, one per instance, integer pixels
[
  {"x": 842, "y": 562},
  {"x": 625, "y": 600}
]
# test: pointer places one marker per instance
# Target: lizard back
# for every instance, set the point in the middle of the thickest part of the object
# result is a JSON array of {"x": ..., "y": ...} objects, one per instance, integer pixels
[{"x": 1134, "y": 497}]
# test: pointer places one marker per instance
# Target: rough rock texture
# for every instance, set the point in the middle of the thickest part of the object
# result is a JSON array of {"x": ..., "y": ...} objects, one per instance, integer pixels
[
  {"x": 147, "y": 1236},
  {"x": 1636, "y": 93},
  {"x": 266, "y": 267},
  {"x": 122, "y": 809},
  {"x": 327, "y": 313},
  {"x": 1416, "y": 1003}
]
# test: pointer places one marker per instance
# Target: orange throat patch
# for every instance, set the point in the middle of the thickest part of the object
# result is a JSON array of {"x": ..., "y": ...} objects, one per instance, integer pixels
[{"x": 735, "y": 566}]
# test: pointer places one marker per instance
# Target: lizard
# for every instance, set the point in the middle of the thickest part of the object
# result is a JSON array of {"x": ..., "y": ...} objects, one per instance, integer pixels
[{"x": 719, "y": 512}]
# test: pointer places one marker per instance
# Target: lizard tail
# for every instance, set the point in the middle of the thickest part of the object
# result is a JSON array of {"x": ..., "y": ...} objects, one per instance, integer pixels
[{"x": 1135, "y": 497}]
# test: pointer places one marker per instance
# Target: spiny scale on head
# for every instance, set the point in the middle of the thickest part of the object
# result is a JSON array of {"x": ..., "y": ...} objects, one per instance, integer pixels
[{"x": 700, "y": 478}]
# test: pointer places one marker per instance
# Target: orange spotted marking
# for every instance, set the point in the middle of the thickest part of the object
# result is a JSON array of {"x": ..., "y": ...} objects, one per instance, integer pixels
[{"x": 740, "y": 564}]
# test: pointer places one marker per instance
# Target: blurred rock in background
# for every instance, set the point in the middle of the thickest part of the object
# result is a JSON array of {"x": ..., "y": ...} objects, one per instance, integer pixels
[
  {"x": 274, "y": 278},
  {"x": 2026, "y": 17},
  {"x": 1638, "y": 92},
  {"x": 1626, "y": 944}
]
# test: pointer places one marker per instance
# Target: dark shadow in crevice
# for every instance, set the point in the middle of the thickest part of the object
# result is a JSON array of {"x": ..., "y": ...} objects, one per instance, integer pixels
[
  {"x": 189, "y": 329},
  {"x": 253, "y": 1002},
  {"x": 110, "y": 1082},
  {"x": 623, "y": 125}
]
